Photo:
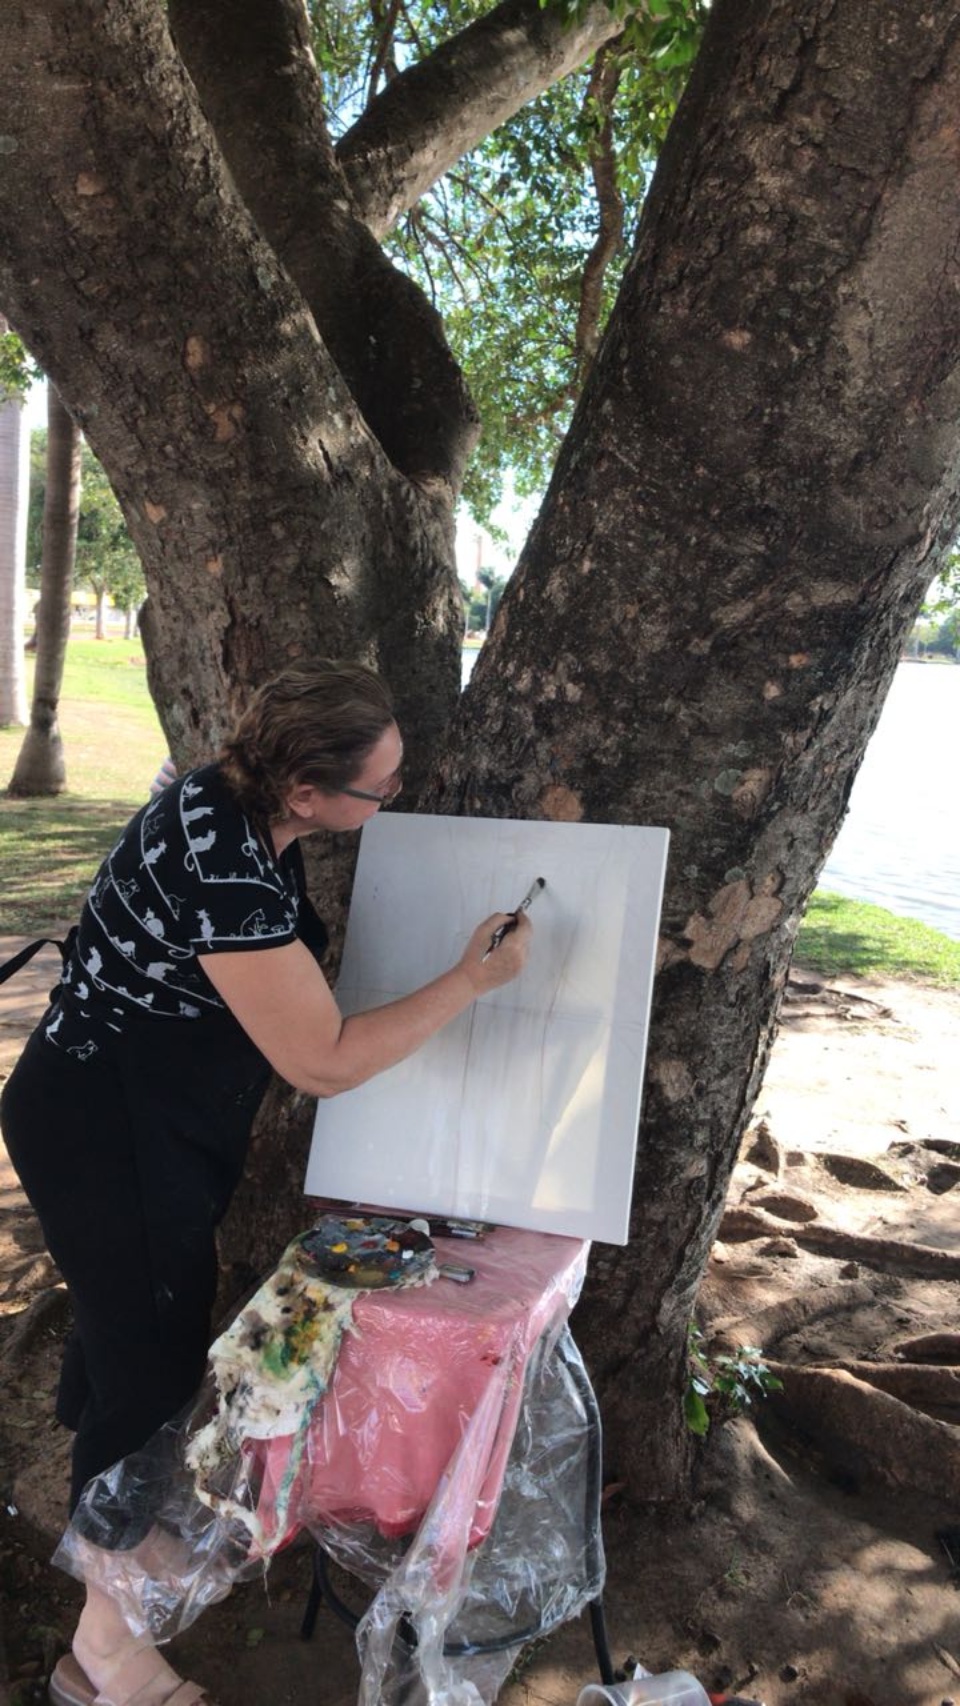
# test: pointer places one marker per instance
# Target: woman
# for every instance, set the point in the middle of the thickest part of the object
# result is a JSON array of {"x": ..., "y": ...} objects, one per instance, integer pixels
[{"x": 193, "y": 973}]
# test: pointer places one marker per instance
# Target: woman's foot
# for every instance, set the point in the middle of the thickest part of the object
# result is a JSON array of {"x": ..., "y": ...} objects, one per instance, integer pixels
[
  {"x": 122, "y": 1668},
  {"x": 70, "y": 1686}
]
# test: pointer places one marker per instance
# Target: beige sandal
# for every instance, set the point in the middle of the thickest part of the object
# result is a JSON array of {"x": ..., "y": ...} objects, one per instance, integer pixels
[{"x": 71, "y": 1686}]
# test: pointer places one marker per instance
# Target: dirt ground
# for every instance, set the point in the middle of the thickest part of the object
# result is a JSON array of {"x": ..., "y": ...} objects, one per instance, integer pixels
[{"x": 819, "y": 1562}]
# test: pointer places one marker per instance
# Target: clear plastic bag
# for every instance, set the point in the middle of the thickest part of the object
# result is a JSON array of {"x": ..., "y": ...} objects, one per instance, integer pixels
[
  {"x": 445, "y": 1450},
  {"x": 541, "y": 1563}
]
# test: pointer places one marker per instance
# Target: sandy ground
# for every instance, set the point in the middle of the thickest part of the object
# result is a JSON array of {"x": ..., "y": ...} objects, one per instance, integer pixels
[{"x": 792, "y": 1576}]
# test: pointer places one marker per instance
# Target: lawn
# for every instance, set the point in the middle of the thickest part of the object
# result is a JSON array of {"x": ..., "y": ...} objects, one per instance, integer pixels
[
  {"x": 113, "y": 746},
  {"x": 49, "y": 849},
  {"x": 840, "y": 936}
]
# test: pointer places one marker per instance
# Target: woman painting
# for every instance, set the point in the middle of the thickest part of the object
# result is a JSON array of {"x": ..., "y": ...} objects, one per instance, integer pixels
[{"x": 195, "y": 972}]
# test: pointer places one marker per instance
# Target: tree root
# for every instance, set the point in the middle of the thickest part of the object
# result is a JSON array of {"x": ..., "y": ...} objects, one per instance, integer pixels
[
  {"x": 48, "y": 1309},
  {"x": 766, "y": 1327},
  {"x": 884, "y": 1255},
  {"x": 935, "y": 1391},
  {"x": 797, "y": 988},
  {"x": 868, "y": 1432},
  {"x": 931, "y": 1347}
]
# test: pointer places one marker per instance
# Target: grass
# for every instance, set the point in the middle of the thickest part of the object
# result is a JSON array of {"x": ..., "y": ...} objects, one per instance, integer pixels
[
  {"x": 840, "y": 936},
  {"x": 50, "y": 849},
  {"x": 113, "y": 745}
]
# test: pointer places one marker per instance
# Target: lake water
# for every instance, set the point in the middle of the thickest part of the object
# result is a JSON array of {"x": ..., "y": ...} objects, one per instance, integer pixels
[
  {"x": 900, "y": 842},
  {"x": 899, "y": 846}
]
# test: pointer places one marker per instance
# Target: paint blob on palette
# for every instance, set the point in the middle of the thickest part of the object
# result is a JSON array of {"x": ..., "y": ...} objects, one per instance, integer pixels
[{"x": 524, "y": 1110}]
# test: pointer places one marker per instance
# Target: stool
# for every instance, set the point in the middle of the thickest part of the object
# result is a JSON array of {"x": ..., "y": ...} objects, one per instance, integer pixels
[{"x": 558, "y": 1404}]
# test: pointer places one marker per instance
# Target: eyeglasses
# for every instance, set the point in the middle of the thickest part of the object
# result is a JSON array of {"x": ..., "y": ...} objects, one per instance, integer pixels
[{"x": 389, "y": 793}]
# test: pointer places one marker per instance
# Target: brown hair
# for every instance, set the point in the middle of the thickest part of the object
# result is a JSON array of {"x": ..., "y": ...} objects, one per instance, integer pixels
[{"x": 315, "y": 723}]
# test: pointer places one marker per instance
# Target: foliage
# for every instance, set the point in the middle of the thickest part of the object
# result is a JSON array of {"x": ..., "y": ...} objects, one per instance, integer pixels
[
  {"x": 38, "y": 487},
  {"x": 106, "y": 559},
  {"x": 501, "y": 243},
  {"x": 480, "y": 601},
  {"x": 726, "y": 1387},
  {"x": 943, "y": 595},
  {"x": 948, "y": 635},
  {"x": 17, "y": 370}
]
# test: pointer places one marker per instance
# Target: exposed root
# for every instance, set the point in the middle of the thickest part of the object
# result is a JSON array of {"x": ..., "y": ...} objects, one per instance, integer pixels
[
  {"x": 884, "y": 1255},
  {"x": 766, "y": 1327},
  {"x": 799, "y": 991},
  {"x": 867, "y": 1432},
  {"x": 48, "y": 1309},
  {"x": 935, "y": 1391},
  {"x": 931, "y": 1347}
]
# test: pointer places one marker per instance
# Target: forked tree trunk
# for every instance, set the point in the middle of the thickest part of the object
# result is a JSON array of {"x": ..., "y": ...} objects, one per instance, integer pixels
[
  {"x": 40, "y": 766},
  {"x": 758, "y": 485}
]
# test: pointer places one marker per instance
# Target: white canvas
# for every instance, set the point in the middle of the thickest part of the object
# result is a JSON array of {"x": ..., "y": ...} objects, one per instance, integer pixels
[{"x": 524, "y": 1110}]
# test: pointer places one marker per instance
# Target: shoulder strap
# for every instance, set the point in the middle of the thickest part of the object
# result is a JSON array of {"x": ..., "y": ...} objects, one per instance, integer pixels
[{"x": 20, "y": 959}]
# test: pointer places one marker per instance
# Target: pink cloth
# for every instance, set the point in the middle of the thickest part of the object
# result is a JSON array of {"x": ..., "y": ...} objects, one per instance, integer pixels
[{"x": 427, "y": 1386}]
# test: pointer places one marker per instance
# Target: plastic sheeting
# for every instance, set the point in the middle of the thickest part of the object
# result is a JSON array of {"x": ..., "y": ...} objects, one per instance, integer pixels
[{"x": 496, "y": 1421}]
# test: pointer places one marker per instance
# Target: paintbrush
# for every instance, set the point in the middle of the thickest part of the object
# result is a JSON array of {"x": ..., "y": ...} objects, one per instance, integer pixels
[{"x": 511, "y": 923}]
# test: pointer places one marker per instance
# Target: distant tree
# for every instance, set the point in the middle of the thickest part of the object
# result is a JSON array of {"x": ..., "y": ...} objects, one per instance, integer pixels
[
  {"x": 38, "y": 489},
  {"x": 943, "y": 595},
  {"x": 481, "y": 600},
  {"x": 948, "y": 634},
  {"x": 40, "y": 767},
  {"x": 107, "y": 561}
]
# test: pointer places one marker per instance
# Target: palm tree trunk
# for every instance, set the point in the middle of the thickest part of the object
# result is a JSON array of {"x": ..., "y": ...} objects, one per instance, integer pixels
[
  {"x": 40, "y": 767},
  {"x": 14, "y": 475}
]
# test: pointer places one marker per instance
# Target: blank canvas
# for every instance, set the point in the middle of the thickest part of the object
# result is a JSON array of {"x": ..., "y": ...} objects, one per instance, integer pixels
[{"x": 523, "y": 1111}]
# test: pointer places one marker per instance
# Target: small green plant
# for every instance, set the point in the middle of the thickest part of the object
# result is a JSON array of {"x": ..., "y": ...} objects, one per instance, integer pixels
[{"x": 727, "y": 1386}]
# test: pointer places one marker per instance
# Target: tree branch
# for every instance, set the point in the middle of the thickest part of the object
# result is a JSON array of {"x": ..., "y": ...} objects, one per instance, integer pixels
[
  {"x": 384, "y": 62},
  {"x": 140, "y": 282},
  {"x": 442, "y": 107},
  {"x": 604, "y": 81},
  {"x": 252, "y": 66}
]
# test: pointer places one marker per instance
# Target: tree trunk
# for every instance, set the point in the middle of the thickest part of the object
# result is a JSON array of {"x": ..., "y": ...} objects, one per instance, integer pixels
[
  {"x": 40, "y": 767},
  {"x": 269, "y": 520},
  {"x": 760, "y": 481},
  {"x": 756, "y": 490},
  {"x": 14, "y": 485}
]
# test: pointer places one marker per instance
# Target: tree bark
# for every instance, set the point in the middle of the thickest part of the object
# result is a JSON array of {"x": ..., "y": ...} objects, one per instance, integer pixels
[
  {"x": 269, "y": 520},
  {"x": 251, "y": 62},
  {"x": 757, "y": 487},
  {"x": 40, "y": 767}
]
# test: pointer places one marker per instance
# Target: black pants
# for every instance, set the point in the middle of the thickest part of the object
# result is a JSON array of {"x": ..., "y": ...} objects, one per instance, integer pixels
[{"x": 130, "y": 1163}]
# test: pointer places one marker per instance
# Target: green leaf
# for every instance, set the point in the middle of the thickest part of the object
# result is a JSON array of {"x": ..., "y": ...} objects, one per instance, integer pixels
[{"x": 695, "y": 1413}]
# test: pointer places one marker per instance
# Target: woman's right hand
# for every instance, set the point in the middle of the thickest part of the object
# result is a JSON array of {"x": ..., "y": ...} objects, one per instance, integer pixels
[
  {"x": 282, "y": 1000},
  {"x": 506, "y": 961}
]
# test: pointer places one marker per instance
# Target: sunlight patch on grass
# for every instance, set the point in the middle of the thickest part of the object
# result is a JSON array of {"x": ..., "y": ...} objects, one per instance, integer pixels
[{"x": 840, "y": 935}]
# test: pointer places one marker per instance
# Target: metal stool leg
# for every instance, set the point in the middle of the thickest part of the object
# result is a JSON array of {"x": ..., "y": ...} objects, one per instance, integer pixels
[
  {"x": 598, "y": 1629},
  {"x": 314, "y": 1601}
]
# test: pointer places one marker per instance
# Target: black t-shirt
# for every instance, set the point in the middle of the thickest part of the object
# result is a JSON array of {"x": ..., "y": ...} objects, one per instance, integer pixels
[{"x": 189, "y": 876}]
